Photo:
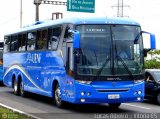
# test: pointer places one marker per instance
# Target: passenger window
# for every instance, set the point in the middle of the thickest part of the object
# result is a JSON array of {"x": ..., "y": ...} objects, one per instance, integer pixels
[
  {"x": 68, "y": 35},
  {"x": 54, "y": 36},
  {"x": 41, "y": 39},
  {"x": 22, "y": 42},
  {"x": 14, "y": 43},
  {"x": 31, "y": 41},
  {"x": 7, "y": 44}
]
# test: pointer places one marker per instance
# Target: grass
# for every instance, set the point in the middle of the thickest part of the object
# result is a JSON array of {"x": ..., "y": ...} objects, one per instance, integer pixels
[{"x": 9, "y": 114}]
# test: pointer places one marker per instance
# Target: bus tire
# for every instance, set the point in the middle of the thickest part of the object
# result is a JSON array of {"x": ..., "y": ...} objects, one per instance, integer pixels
[
  {"x": 114, "y": 105},
  {"x": 16, "y": 87},
  {"x": 57, "y": 97},
  {"x": 22, "y": 92}
]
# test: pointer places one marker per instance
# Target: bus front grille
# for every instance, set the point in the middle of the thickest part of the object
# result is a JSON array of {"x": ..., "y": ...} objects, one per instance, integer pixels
[{"x": 113, "y": 90}]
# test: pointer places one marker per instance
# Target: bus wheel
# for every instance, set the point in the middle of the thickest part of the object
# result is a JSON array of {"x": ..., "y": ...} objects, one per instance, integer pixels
[
  {"x": 114, "y": 105},
  {"x": 16, "y": 87},
  {"x": 22, "y": 92},
  {"x": 57, "y": 95}
]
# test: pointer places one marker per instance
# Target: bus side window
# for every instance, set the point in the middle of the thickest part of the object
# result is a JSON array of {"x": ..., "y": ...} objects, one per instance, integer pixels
[
  {"x": 53, "y": 36},
  {"x": 31, "y": 41},
  {"x": 22, "y": 42},
  {"x": 41, "y": 39},
  {"x": 14, "y": 43},
  {"x": 7, "y": 44}
]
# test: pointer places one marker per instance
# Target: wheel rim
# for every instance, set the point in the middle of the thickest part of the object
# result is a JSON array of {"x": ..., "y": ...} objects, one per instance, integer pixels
[
  {"x": 58, "y": 95},
  {"x": 158, "y": 98},
  {"x": 15, "y": 86}
]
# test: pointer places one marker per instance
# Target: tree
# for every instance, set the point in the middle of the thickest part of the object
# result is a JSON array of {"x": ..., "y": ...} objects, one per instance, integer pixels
[{"x": 154, "y": 61}]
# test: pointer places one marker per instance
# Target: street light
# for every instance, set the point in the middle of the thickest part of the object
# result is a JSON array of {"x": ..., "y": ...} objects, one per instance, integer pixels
[{"x": 37, "y": 3}]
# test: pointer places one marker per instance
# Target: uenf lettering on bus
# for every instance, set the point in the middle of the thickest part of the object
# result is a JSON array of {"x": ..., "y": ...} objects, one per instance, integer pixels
[{"x": 34, "y": 58}]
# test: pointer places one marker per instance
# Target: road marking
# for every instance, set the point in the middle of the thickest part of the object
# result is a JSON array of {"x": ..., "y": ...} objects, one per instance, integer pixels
[
  {"x": 137, "y": 106},
  {"x": 19, "y": 111}
]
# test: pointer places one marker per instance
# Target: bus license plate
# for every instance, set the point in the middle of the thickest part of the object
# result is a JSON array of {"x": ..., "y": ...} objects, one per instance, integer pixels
[{"x": 113, "y": 96}]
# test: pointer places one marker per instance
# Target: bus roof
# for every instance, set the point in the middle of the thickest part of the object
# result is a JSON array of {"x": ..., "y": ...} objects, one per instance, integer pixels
[{"x": 76, "y": 21}]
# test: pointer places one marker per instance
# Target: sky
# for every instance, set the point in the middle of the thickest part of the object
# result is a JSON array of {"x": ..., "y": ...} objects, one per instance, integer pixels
[{"x": 146, "y": 12}]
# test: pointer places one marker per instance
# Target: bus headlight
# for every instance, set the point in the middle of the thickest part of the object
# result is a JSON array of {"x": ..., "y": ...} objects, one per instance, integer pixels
[
  {"x": 82, "y": 93},
  {"x": 139, "y": 92},
  {"x": 84, "y": 82}
]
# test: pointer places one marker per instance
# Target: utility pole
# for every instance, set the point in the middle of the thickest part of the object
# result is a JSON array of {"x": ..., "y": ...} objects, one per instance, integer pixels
[
  {"x": 120, "y": 8},
  {"x": 21, "y": 13},
  {"x": 38, "y": 2}
]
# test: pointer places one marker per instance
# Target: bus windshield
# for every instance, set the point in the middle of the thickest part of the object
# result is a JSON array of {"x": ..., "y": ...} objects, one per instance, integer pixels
[{"x": 110, "y": 50}]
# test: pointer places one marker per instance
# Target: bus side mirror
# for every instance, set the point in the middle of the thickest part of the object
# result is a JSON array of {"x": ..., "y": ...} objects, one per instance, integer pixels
[
  {"x": 76, "y": 46},
  {"x": 75, "y": 36},
  {"x": 152, "y": 39},
  {"x": 152, "y": 42},
  {"x": 76, "y": 40}
]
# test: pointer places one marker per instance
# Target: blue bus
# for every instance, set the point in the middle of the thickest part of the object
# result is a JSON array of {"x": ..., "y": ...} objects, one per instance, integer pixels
[
  {"x": 1, "y": 61},
  {"x": 77, "y": 60}
]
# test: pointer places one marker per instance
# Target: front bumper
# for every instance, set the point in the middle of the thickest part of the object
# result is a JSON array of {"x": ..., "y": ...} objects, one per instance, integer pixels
[{"x": 106, "y": 93}]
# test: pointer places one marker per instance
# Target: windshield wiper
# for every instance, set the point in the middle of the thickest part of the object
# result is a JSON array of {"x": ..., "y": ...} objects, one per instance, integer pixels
[
  {"x": 101, "y": 69},
  {"x": 125, "y": 66},
  {"x": 123, "y": 63},
  {"x": 103, "y": 65}
]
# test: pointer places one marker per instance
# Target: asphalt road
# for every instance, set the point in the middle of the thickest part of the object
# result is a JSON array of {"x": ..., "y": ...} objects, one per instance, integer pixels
[{"x": 44, "y": 107}]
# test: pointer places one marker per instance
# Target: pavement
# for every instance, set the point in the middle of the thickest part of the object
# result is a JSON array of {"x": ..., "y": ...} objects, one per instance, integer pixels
[{"x": 44, "y": 108}]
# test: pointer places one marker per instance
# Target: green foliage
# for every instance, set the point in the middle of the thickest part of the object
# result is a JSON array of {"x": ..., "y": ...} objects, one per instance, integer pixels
[
  {"x": 154, "y": 62},
  {"x": 154, "y": 52},
  {"x": 9, "y": 114}
]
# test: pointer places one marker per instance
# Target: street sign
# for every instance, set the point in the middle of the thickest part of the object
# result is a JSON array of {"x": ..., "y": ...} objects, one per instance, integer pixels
[{"x": 81, "y": 5}]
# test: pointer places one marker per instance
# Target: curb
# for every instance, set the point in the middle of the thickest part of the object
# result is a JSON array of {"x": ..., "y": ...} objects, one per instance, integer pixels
[{"x": 30, "y": 116}]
